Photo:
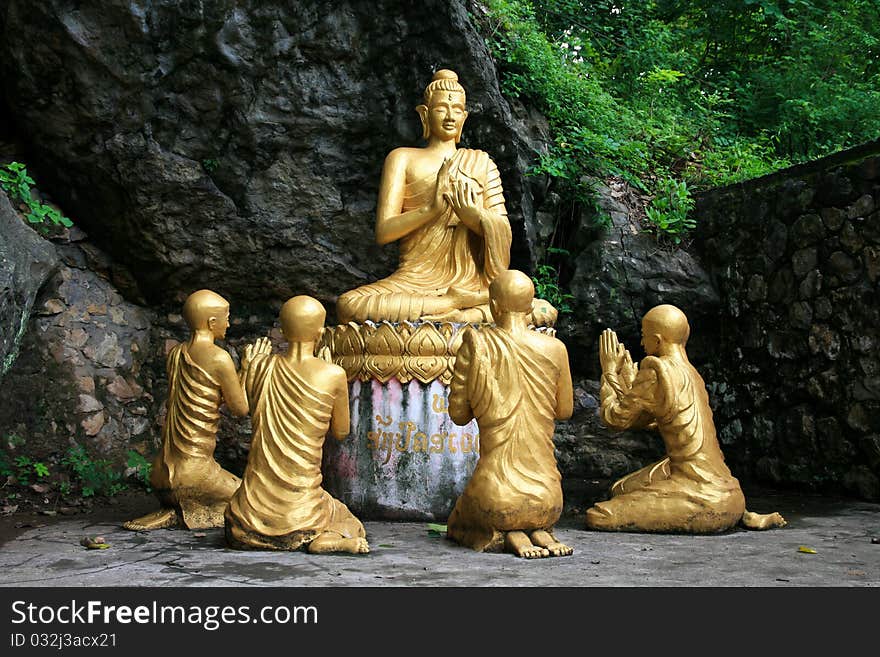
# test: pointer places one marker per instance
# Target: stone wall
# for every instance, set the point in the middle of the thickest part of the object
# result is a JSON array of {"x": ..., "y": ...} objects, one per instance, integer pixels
[
  {"x": 26, "y": 261},
  {"x": 795, "y": 385},
  {"x": 84, "y": 373}
]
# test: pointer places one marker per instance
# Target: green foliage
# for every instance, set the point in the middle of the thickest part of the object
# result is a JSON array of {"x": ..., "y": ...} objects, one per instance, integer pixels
[
  {"x": 142, "y": 468},
  {"x": 94, "y": 476},
  {"x": 22, "y": 468},
  {"x": 668, "y": 211},
  {"x": 546, "y": 280},
  {"x": 5, "y": 466},
  {"x": 210, "y": 164},
  {"x": 708, "y": 92},
  {"x": 16, "y": 182}
]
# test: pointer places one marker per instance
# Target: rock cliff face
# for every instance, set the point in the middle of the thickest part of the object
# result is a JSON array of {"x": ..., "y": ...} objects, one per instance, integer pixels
[
  {"x": 237, "y": 145},
  {"x": 79, "y": 376},
  {"x": 26, "y": 261},
  {"x": 620, "y": 273}
]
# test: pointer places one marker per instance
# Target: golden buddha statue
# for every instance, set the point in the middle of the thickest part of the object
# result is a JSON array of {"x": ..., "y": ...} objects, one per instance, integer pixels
[
  {"x": 516, "y": 383},
  {"x": 190, "y": 484},
  {"x": 295, "y": 399},
  {"x": 691, "y": 490},
  {"x": 446, "y": 207}
]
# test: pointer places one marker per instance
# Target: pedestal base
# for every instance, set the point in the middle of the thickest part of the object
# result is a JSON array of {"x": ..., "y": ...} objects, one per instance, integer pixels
[{"x": 404, "y": 457}]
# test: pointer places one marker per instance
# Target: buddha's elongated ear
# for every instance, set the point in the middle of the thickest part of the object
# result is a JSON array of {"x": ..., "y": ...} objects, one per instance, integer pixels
[
  {"x": 461, "y": 127},
  {"x": 423, "y": 115}
]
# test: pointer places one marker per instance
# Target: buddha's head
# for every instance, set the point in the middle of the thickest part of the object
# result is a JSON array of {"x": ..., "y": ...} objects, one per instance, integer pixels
[
  {"x": 302, "y": 319},
  {"x": 205, "y": 309},
  {"x": 443, "y": 113},
  {"x": 664, "y": 326},
  {"x": 511, "y": 292}
]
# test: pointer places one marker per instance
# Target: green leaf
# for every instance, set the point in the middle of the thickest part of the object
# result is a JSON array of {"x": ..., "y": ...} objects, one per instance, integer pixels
[{"x": 435, "y": 529}]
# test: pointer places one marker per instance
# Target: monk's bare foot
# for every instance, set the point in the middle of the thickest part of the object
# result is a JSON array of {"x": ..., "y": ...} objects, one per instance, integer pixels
[
  {"x": 160, "y": 519},
  {"x": 330, "y": 542},
  {"x": 762, "y": 520},
  {"x": 518, "y": 543},
  {"x": 545, "y": 539}
]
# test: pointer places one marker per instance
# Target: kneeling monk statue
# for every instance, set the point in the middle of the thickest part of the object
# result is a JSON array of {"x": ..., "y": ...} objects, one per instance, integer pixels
[
  {"x": 445, "y": 205},
  {"x": 691, "y": 490},
  {"x": 295, "y": 399},
  {"x": 190, "y": 484},
  {"x": 516, "y": 383}
]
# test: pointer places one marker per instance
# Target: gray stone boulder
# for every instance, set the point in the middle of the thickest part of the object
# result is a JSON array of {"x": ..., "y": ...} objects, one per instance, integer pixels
[
  {"x": 237, "y": 145},
  {"x": 622, "y": 272},
  {"x": 26, "y": 262},
  {"x": 87, "y": 364}
]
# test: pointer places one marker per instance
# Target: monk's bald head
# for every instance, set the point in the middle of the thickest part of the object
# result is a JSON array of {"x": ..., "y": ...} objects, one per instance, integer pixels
[
  {"x": 668, "y": 322},
  {"x": 201, "y": 306},
  {"x": 302, "y": 319},
  {"x": 512, "y": 292}
]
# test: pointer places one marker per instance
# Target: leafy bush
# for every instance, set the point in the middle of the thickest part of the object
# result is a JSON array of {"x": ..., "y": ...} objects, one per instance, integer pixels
[
  {"x": 95, "y": 476},
  {"x": 22, "y": 468},
  {"x": 668, "y": 211},
  {"x": 141, "y": 468},
  {"x": 708, "y": 92},
  {"x": 16, "y": 182},
  {"x": 546, "y": 281}
]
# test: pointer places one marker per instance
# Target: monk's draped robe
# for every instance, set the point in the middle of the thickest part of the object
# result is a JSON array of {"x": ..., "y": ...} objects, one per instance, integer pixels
[
  {"x": 511, "y": 389},
  {"x": 692, "y": 489},
  {"x": 184, "y": 474},
  {"x": 441, "y": 254},
  {"x": 281, "y": 504}
]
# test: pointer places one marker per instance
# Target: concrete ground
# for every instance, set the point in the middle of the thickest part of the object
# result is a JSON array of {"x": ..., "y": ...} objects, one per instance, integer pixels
[{"x": 845, "y": 535}]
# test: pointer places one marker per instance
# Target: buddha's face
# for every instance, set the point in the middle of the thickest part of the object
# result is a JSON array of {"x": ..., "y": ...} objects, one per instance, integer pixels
[{"x": 446, "y": 115}]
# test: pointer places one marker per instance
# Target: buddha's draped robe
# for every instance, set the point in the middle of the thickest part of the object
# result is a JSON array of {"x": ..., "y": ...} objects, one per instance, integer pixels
[
  {"x": 511, "y": 389},
  {"x": 692, "y": 489},
  {"x": 441, "y": 254},
  {"x": 281, "y": 504},
  {"x": 185, "y": 474}
]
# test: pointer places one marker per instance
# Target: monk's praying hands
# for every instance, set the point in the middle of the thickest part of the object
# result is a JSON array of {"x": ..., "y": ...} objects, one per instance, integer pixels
[
  {"x": 261, "y": 346},
  {"x": 610, "y": 352}
]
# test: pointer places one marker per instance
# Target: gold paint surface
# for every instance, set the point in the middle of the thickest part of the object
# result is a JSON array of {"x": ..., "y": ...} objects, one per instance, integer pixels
[
  {"x": 424, "y": 351},
  {"x": 296, "y": 399},
  {"x": 516, "y": 383},
  {"x": 445, "y": 206},
  {"x": 191, "y": 486},
  {"x": 691, "y": 490}
]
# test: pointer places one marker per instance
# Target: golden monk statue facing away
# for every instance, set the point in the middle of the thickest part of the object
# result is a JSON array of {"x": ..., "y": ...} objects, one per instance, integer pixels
[
  {"x": 190, "y": 484},
  {"x": 691, "y": 490},
  {"x": 516, "y": 383},
  {"x": 446, "y": 207},
  {"x": 294, "y": 398}
]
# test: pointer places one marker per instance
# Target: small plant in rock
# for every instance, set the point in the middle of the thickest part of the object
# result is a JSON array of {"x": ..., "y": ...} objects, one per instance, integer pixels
[
  {"x": 668, "y": 212},
  {"x": 140, "y": 467},
  {"x": 546, "y": 280},
  {"x": 22, "y": 468},
  {"x": 95, "y": 476},
  {"x": 6, "y": 470},
  {"x": 16, "y": 182}
]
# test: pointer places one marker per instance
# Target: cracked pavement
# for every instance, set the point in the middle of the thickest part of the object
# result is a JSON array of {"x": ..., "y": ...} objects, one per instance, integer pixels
[{"x": 408, "y": 554}]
